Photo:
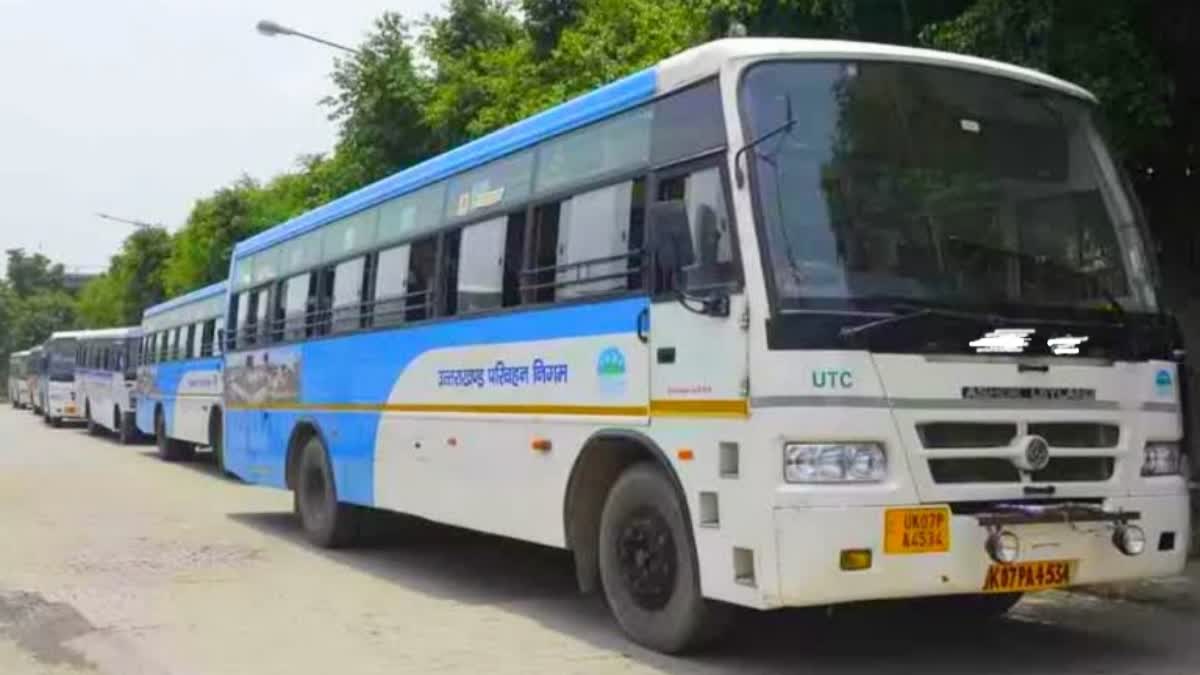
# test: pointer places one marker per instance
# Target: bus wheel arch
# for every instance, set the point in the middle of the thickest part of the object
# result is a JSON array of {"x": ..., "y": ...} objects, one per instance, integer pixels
[
  {"x": 604, "y": 457},
  {"x": 304, "y": 429}
]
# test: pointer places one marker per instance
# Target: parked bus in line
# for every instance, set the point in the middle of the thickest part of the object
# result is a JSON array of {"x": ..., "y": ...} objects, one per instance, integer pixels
[
  {"x": 18, "y": 384},
  {"x": 771, "y": 323},
  {"x": 57, "y": 380},
  {"x": 36, "y": 367},
  {"x": 105, "y": 374},
  {"x": 179, "y": 376}
]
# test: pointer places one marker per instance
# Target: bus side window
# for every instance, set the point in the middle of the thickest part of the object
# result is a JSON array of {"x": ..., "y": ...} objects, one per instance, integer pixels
[
  {"x": 422, "y": 264},
  {"x": 710, "y": 264},
  {"x": 208, "y": 334},
  {"x": 349, "y": 284},
  {"x": 537, "y": 283},
  {"x": 391, "y": 286},
  {"x": 188, "y": 346}
]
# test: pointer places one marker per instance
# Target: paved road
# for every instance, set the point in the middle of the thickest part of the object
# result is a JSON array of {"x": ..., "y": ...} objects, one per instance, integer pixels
[{"x": 114, "y": 562}]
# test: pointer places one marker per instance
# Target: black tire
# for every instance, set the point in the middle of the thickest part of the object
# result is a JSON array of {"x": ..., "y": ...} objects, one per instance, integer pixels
[
  {"x": 56, "y": 422},
  {"x": 126, "y": 431},
  {"x": 170, "y": 449},
  {"x": 92, "y": 427},
  {"x": 966, "y": 609},
  {"x": 648, "y": 565},
  {"x": 327, "y": 523},
  {"x": 216, "y": 439}
]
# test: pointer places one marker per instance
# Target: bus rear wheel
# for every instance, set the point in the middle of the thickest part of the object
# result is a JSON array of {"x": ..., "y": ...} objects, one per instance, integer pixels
[
  {"x": 92, "y": 428},
  {"x": 327, "y": 523},
  {"x": 170, "y": 449},
  {"x": 126, "y": 432},
  {"x": 216, "y": 440},
  {"x": 648, "y": 568}
]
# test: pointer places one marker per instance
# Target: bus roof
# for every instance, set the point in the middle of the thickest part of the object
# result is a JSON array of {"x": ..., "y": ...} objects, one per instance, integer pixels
[
  {"x": 673, "y": 73},
  {"x": 194, "y": 296},
  {"x": 110, "y": 333}
]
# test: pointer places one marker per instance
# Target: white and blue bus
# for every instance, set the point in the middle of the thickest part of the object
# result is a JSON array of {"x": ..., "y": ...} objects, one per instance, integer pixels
[
  {"x": 105, "y": 374},
  {"x": 771, "y": 323},
  {"x": 179, "y": 377},
  {"x": 56, "y": 382}
]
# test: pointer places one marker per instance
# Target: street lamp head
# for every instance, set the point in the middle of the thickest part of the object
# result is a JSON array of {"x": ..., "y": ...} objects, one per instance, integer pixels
[{"x": 271, "y": 29}]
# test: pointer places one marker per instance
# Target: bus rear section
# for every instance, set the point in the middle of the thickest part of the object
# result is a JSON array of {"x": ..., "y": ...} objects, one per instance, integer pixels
[
  {"x": 57, "y": 381},
  {"x": 105, "y": 377},
  {"x": 33, "y": 379},
  {"x": 179, "y": 383},
  {"x": 774, "y": 323}
]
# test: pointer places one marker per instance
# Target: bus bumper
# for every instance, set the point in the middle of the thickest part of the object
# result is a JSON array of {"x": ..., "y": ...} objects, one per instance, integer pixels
[
  {"x": 810, "y": 542},
  {"x": 68, "y": 411}
]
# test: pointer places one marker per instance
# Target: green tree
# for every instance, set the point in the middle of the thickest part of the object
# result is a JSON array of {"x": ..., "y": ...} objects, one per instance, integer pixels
[
  {"x": 380, "y": 107},
  {"x": 133, "y": 282},
  {"x": 29, "y": 274}
]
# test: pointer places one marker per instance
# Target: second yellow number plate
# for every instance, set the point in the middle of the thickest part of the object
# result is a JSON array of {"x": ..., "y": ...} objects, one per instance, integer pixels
[{"x": 925, "y": 530}]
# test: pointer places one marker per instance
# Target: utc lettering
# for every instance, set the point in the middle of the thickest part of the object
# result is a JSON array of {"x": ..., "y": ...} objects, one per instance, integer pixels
[{"x": 832, "y": 379}]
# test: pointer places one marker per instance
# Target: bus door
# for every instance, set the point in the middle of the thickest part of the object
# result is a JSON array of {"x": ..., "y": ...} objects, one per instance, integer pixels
[{"x": 698, "y": 341}]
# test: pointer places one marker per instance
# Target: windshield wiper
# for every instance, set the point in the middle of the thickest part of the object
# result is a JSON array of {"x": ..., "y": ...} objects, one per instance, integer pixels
[
  {"x": 916, "y": 312},
  {"x": 787, "y": 125}
]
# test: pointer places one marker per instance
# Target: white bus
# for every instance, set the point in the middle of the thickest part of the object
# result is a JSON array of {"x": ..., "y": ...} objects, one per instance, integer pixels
[
  {"x": 179, "y": 376},
  {"x": 105, "y": 375},
  {"x": 771, "y": 323},
  {"x": 18, "y": 379},
  {"x": 57, "y": 381}
]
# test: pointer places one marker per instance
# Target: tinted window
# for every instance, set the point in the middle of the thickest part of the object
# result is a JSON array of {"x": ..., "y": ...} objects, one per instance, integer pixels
[
  {"x": 688, "y": 123},
  {"x": 619, "y": 144}
]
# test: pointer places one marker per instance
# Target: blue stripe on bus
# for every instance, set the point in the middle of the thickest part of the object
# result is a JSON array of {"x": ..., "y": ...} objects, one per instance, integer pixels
[
  {"x": 603, "y": 102},
  {"x": 167, "y": 377},
  {"x": 364, "y": 367},
  {"x": 198, "y": 294}
]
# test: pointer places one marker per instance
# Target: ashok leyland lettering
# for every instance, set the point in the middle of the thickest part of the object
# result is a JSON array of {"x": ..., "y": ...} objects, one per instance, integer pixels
[
  {"x": 772, "y": 323},
  {"x": 57, "y": 380},
  {"x": 179, "y": 377},
  {"x": 105, "y": 374}
]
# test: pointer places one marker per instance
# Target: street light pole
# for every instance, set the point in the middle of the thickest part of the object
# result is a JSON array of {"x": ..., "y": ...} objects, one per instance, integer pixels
[
  {"x": 139, "y": 224},
  {"x": 271, "y": 29}
]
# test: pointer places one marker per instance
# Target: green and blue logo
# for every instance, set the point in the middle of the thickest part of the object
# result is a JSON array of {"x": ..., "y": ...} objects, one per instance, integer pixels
[
  {"x": 611, "y": 370},
  {"x": 1162, "y": 382}
]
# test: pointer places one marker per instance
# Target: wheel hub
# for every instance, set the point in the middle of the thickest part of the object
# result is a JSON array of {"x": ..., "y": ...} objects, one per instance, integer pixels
[{"x": 646, "y": 552}]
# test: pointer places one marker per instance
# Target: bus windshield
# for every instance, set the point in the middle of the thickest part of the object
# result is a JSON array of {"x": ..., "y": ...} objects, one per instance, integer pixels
[
  {"x": 910, "y": 182},
  {"x": 60, "y": 357}
]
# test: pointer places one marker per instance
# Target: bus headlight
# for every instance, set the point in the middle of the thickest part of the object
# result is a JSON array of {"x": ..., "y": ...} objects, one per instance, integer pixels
[
  {"x": 1161, "y": 458},
  {"x": 834, "y": 463}
]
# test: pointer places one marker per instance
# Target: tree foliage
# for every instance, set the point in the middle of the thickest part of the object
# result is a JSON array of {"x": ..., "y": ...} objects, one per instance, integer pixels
[{"x": 416, "y": 89}]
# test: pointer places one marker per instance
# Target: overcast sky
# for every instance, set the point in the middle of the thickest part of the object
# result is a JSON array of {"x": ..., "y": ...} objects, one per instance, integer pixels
[{"x": 139, "y": 107}]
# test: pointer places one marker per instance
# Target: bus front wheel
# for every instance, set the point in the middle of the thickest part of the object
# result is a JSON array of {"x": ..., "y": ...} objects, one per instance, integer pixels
[
  {"x": 648, "y": 569},
  {"x": 327, "y": 523}
]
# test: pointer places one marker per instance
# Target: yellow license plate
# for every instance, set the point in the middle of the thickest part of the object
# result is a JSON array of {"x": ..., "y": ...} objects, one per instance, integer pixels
[
  {"x": 1028, "y": 576},
  {"x": 925, "y": 530},
  {"x": 70, "y": 409}
]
